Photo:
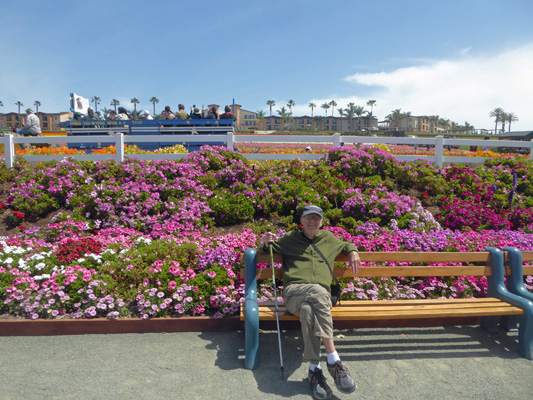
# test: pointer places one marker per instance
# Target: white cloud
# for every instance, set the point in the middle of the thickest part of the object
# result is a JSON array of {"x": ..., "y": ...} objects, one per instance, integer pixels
[{"x": 459, "y": 90}]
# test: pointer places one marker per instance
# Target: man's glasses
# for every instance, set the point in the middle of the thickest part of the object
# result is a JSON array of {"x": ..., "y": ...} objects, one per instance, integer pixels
[{"x": 313, "y": 217}]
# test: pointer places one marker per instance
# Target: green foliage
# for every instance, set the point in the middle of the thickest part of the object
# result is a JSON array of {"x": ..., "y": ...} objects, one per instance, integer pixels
[
  {"x": 228, "y": 208},
  {"x": 128, "y": 275}
]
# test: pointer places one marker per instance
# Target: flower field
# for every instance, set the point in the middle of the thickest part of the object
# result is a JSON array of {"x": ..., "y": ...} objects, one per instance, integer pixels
[{"x": 148, "y": 239}]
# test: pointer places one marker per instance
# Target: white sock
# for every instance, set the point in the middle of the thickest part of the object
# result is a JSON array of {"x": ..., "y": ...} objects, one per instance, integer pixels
[
  {"x": 312, "y": 367},
  {"x": 333, "y": 357}
]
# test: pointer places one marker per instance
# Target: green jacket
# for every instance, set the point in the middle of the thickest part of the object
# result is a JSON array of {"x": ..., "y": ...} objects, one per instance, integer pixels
[{"x": 301, "y": 262}]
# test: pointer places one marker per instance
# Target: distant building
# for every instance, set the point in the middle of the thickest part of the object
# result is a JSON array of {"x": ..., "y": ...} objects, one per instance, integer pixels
[
  {"x": 420, "y": 124},
  {"x": 245, "y": 119},
  {"x": 340, "y": 124},
  {"x": 250, "y": 120},
  {"x": 49, "y": 121}
]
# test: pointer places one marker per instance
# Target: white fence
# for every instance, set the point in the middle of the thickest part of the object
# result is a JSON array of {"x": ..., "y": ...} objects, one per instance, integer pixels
[{"x": 439, "y": 143}]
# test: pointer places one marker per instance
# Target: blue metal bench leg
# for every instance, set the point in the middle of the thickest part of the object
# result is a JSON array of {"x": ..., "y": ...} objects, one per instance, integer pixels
[
  {"x": 497, "y": 289},
  {"x": 515, "y": 285},
  {"x": 251, "y": 324},
  {"x": 510, "y": 323},
  {"x": 525, "y": 335}
]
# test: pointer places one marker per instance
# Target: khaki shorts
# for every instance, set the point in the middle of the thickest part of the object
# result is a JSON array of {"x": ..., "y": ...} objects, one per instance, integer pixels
[{"x": 312, "y": 303}]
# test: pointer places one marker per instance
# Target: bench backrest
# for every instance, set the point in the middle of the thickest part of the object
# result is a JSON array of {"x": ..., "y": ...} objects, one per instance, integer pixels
[{"x": 426, "y": 264}]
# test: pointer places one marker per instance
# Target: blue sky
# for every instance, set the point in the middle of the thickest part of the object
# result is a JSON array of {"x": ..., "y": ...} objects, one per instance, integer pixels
[{"x": 455, "y": 59}]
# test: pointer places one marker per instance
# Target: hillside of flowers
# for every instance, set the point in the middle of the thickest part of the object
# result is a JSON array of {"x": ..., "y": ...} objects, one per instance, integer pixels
[{"x": 147, "y": 239}]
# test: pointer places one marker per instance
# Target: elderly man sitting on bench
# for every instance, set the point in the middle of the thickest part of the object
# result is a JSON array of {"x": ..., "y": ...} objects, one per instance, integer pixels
[{"x": 306, "y": 293}]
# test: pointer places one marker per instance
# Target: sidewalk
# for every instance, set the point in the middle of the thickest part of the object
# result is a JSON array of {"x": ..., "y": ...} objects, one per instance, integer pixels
[{"x": 454, "y": 362}]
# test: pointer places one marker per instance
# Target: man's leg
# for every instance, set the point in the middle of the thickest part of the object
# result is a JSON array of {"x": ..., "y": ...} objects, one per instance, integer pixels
[
  {"x": 316, "y": 321},
  {"x": 300, "y": 300},
  {"x": 338, "y": 371},
  {"x": 312, "y": 304}
]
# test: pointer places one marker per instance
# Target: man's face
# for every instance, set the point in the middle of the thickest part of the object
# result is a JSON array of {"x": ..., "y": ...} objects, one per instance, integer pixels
[{"x": 311, "y": 224}]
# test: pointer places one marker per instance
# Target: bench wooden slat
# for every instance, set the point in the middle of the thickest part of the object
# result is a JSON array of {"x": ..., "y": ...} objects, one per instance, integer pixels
[
  {"x": 368, "y": 272},
  {"x": 527, "y": 269},
  {"x": 398, "y": 309},
  {"x": 526, "y": 255},
  {"x": 400, "y": 256},
  {"x": 267, "y": 315},
  {"x": 400, "y": 302}
]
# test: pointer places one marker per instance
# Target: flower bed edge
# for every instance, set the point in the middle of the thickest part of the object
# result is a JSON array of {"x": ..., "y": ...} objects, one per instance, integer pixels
[
  {"x": 95, "y": 326},
  {"x": 54, "y": 327}
]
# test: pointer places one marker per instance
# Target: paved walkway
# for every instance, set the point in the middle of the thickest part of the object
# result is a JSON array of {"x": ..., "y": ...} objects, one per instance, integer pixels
[{"x": 394, "y": 363}]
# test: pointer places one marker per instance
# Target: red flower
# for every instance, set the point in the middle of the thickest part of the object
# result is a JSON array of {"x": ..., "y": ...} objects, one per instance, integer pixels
[{"x": 22, "y": 227}]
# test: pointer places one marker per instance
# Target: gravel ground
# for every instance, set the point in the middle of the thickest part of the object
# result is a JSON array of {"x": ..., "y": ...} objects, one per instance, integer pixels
[{"x": 458, "y": 362}]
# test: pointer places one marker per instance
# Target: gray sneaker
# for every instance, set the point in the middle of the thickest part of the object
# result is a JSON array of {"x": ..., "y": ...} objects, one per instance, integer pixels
[
  {"x": 319, "y": 387},
  {"x": 341, "y": 375}
]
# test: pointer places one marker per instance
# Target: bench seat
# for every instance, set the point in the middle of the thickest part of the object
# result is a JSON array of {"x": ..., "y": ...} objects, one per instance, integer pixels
[{"x": 367, "y": 310}]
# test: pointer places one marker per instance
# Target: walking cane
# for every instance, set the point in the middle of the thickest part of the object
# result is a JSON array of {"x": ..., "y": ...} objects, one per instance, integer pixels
[{"x": 276, "y": 307}]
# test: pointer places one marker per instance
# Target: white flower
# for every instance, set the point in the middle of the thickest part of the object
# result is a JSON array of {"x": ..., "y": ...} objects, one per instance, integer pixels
[
  {"x": 22, "y": 264},
  {"x": 40, "y": 266}
]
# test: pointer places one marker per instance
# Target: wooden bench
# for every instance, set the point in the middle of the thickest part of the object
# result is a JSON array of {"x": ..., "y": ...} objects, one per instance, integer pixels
[{"x": 499, "y": 301}]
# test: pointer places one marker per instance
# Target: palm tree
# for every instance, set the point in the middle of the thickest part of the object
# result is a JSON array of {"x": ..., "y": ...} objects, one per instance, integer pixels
[
  {"x": 136, "y": 114},
  {"x": 394, "y": 117},
  {"x": 270, "y": 104},
  {"x": 154, "y": 100},
  {"x": 333, "y": 104},
  {"x": 312, "y": 106},
  {"x": 284, "y": 115},
  {"x": 135, "y": 101},
  {"x": 503, "y": 120},
  {"x": 497, "y": 115},
  {"x": 511, "y": 117},
  {"x": 445, "y": 123},
  {"x": 359, "y": 111},
  {"x": 291, "y": 104},
  {"x": 349, "y": 112},
  {"x": 36, "y": 103},
  {"x": 469, "y": 128},
  {"x": 326, "y": 107},
  {"x": 107, "y": 112},
  {"x": 96, "y": 101},
  {"x": 371, "y": 104},
  {"x": 341, "y": 114},
  {"x": 19, "y": 104},
  {"x": 261, "y": 117},
  {"x": 115, "y": 103},
  {"x": 318, "y": 121}
]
